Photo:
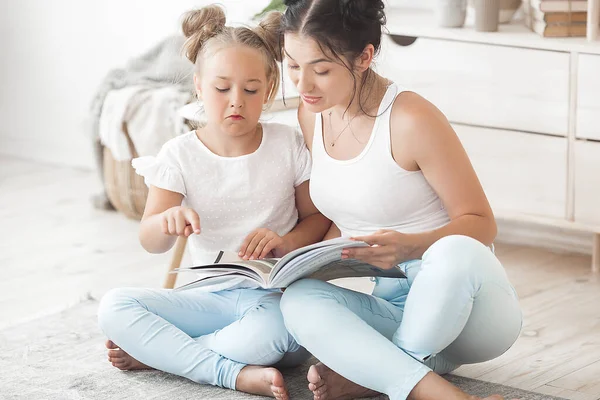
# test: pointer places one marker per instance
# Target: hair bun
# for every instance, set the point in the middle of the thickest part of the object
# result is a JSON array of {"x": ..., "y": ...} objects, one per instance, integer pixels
[
  {"x": 269, "y": 30},
  {"x": 200, "y": 25},
  {"x": 358, "y": 13}
]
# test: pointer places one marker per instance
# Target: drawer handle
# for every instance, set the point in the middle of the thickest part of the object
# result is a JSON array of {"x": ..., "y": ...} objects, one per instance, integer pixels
[{"x": 404, "y": 41}]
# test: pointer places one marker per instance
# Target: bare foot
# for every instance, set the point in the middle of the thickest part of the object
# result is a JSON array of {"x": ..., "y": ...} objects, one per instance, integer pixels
[
  {"x": 122, "y": 360},
  {"x": 264, "y": 381},
  {"x": 329, "y": 385}
]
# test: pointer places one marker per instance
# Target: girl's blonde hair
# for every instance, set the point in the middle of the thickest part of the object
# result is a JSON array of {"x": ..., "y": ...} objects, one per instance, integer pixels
[{"x": 206, "y": 33}]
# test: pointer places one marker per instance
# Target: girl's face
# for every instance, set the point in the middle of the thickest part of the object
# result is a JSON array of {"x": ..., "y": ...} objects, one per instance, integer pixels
[
  {"x": 233, "y": 86},
  {"x": 321, "y": 80}
]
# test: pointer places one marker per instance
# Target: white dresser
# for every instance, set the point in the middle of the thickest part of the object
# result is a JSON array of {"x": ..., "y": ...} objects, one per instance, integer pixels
[{"x": 526, "y": 109}]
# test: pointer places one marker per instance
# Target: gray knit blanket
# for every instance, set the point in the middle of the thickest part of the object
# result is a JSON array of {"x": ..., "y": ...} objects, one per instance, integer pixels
[{"x": 164, "y": 64}]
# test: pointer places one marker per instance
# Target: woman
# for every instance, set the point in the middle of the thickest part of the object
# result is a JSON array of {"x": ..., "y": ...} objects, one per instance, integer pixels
[{"x": 389, "y": 170}]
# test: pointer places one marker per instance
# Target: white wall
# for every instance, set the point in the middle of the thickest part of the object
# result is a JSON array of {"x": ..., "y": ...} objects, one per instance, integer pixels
[{"x": 54, "y": 54}]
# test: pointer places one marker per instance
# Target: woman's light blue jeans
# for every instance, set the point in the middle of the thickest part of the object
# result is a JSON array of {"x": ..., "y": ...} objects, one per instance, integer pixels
[
  {"x": 456, "y": 307},
  {"x": 205, "y": 337}
]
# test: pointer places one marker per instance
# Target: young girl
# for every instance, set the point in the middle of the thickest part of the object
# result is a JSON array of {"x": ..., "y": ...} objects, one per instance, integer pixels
[{"x": 235, "y": 184}]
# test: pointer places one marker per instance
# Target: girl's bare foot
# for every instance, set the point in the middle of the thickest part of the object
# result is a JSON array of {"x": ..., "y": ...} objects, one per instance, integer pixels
[
  {"x": 265, "y": 381},
  {"x": 122, "y": 360},
  {"x": 328, "y": 385}
]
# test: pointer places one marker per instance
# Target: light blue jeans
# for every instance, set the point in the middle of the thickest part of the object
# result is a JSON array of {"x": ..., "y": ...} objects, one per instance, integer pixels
[
  {"x": 456, "y": 307},
  {"x": 205, "y": 337}
]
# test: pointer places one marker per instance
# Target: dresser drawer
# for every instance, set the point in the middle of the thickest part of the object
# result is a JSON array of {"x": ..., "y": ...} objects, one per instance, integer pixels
[
  {"x": 588, "y": 97},
  {"x": 520, "y": 172},
  {"x": 486, "y": 85},
  {"x": 587, "y": 182}
]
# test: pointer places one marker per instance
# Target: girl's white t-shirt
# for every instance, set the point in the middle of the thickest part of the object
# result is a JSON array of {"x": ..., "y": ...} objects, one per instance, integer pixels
[{"x": 232, "y": 195}]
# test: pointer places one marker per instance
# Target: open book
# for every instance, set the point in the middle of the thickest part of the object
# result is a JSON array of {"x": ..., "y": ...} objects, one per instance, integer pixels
[{"x": 321, "y": 260}]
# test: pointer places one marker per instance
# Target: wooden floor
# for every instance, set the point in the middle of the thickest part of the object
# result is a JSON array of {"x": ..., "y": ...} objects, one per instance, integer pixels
[{"x": 55, "y": 250}]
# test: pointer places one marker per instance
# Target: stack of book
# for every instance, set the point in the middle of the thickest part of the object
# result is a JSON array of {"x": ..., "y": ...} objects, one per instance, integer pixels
[{"x": 556, "y": 18}]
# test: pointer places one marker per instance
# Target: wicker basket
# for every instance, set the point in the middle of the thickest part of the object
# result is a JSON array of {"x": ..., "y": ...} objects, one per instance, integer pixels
[{"x": 125, "y": 189}]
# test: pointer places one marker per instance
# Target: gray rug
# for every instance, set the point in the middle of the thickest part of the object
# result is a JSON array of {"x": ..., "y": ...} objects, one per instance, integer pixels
[{"x": 62, "y": 356}]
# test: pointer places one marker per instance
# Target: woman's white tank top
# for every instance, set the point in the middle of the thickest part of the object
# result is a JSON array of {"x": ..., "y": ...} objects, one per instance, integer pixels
[{"x": 371, "y": 191}]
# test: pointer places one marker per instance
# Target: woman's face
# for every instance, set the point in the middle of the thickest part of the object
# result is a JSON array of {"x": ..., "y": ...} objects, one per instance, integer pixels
[{"x": 323, "y": 82}]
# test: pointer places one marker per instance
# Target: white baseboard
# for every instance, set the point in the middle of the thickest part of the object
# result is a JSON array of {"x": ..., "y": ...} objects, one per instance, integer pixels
[{"x": 559, "y": 240}]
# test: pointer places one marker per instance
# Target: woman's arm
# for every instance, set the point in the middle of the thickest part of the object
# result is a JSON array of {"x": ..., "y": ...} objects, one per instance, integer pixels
[
  {"x": 440, "y": 155},
  {"x": 423, "y": 139},
  {"x": 164, "y": 219}
]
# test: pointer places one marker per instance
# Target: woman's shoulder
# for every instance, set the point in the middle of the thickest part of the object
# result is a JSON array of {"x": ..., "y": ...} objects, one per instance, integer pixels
[
  {"x": 411, "y": 112},
  {"x": 415, "y": 124}
]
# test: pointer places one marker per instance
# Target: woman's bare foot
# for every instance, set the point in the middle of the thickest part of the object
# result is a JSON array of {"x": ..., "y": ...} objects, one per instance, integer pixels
[
  {"x": 433, "y": 387},
  {"x": 265, "y": 381},
  {"x": 122, "y": 360},
  {"x": 329, "y": 385}
]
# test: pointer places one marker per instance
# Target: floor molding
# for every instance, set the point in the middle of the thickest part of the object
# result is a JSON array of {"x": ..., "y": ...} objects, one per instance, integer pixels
[{"x": 558, "y": 240}]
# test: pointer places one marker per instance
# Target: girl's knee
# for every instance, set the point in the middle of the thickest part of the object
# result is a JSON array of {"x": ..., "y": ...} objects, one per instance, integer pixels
[{"x": 112, "y": 302}]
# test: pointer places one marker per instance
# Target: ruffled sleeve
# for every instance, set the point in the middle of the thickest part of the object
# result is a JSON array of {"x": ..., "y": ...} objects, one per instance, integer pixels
[{"x": 161, "y": 172}]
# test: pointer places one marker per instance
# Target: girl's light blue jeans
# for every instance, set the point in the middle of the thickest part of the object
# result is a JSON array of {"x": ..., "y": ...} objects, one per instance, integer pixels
[
  {"x": 456, "y": 307},
  {"x": 206, "y": 337}
]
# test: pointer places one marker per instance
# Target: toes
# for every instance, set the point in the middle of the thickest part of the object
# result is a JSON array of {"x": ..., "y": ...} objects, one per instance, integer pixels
[
  {"x": 279, "y": 393},
  {"x": 116, "y": 353},
  {"x": 121, "y": 365},
  {"x": 320, "y": 391},
  {"x": 314, "y": 386},
  {"x": 313, "y": 375},
  {"x": 320, "y": 397}
]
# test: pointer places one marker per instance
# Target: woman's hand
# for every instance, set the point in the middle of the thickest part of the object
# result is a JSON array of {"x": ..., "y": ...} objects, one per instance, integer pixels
[
  {"x": 260, "y": 243},
  {"x": 386, "y": 249},
  {"x": 180, "y": 221}
]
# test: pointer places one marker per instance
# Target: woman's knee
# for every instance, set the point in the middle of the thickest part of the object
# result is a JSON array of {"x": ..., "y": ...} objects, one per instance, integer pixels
[
  {"x": 301, "y": 301},
  {"x": 301, "y": 294},
  {"x": 459, "y": 256}
]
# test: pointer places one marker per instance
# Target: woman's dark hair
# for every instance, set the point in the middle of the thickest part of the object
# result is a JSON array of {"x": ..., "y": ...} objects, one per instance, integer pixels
[{"x": 342, "y": 28}]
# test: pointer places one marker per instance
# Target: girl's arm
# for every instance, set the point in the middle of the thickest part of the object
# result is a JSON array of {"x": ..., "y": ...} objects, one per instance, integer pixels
[
  {"x": 333, "y": 232},
  {"x": 164, "y": 219},
  {"x": 312, "y": 225}
]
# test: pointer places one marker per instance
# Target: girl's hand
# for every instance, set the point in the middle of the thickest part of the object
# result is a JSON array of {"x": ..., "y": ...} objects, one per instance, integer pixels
[
  {"x": 387, "y": 249},
  {"x": 260, "y": 243},
  {"x": 180, "y": 221}
]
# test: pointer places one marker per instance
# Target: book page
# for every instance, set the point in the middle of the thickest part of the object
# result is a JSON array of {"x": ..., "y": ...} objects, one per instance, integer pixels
[
  {"x": 211, "y": 280},
  {"x": 326, "y": 263},
  {"x": 353, "y": 268},
  {"x": 227, "y": 262},
  {"x": 295, "y": 256}
]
